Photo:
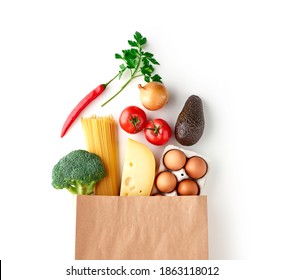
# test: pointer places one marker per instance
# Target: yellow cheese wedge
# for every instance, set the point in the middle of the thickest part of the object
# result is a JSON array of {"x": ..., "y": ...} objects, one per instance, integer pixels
[{"x": 138, "y": 170}]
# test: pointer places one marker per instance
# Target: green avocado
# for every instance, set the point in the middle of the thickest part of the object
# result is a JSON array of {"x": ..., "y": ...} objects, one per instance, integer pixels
[{"x": 190, "y": 122}]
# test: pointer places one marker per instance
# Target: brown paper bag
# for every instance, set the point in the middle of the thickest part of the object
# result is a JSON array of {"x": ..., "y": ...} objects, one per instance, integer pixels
[{"x": 141, "y": 228}]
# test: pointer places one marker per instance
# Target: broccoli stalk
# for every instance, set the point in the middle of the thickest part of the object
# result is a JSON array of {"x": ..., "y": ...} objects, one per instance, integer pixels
[
  {"x": 79, "y": 188},
  {"x": 78, "y": 172}
]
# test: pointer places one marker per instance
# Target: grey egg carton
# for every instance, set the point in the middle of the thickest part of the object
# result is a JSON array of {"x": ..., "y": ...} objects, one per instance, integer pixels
[{"x": 181, "y": 173}]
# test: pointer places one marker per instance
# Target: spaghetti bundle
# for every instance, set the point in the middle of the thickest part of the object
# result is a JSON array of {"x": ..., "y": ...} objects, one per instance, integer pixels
[{"x": 101, "y": 139}]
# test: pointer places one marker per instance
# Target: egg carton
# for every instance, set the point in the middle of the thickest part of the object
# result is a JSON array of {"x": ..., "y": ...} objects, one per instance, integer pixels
[{"x": 181, "y": 173}]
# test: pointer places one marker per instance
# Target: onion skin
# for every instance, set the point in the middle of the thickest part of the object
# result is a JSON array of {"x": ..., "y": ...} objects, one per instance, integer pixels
[{"x": 153, "y": 95}]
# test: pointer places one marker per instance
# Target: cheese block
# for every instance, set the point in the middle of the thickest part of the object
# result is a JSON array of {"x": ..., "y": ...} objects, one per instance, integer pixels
[{"x": 138, "y": 170}]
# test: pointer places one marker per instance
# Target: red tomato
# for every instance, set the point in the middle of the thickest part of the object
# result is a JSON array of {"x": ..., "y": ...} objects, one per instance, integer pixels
[
  {"x": 132, "y": 119},
  {"x": 157, "y": 132}
]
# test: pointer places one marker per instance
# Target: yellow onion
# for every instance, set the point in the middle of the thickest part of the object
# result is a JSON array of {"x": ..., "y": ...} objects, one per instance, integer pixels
[{"x": 153, "y": 95}]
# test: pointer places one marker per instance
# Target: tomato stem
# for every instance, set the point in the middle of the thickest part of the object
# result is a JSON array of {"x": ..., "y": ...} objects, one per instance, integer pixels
[
  {"x": 134, "y": 121},
  {"x": 155, "y": 128}
]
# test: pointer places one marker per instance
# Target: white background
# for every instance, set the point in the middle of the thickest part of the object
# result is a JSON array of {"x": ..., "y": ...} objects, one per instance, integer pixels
[{"x": 227, "y": 52}]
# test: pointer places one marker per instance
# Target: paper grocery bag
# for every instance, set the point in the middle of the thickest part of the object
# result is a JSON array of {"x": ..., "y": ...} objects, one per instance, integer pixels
[{"x": 141, "y": 228}]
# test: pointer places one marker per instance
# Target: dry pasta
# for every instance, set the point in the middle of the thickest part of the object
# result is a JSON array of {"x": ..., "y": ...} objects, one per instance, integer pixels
[{"x": 101, "y": 139}]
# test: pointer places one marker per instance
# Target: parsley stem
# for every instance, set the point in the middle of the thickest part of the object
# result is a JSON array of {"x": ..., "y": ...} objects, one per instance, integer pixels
[
  {"x": 140, "y": 75},
  {"x": 106, "y": 84},
  {"x": 117, "y": 92}
]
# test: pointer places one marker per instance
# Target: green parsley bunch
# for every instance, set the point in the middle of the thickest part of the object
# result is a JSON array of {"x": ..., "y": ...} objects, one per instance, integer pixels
[{"x": 137, "y": 62}]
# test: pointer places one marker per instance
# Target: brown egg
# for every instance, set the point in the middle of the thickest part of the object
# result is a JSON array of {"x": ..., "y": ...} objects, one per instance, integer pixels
[
  {"x": 166, "y": 181},
  {"x": 196, "y": 167},
  {"x": 188, "y": 187},
  {"x": 174, "y": 159}
]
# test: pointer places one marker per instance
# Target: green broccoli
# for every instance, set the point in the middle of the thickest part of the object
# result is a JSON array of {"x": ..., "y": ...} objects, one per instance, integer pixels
[{"x": 78, "y": 172}]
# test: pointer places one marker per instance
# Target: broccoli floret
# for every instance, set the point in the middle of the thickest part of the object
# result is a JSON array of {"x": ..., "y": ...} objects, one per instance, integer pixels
[{"x": 78, "y": 172}]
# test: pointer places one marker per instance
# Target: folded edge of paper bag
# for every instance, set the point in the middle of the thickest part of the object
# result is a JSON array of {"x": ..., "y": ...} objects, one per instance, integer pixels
[{"x": 141, "y": 228}]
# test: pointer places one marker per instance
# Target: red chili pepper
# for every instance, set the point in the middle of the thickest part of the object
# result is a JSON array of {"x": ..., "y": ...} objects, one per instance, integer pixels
[{"x": 82, "y": 104}]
